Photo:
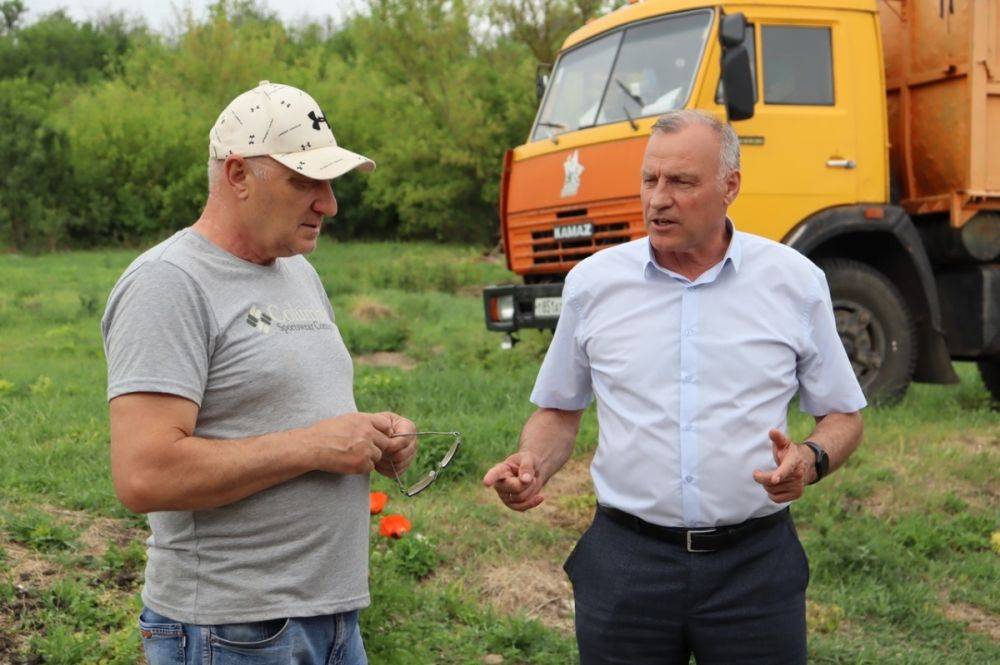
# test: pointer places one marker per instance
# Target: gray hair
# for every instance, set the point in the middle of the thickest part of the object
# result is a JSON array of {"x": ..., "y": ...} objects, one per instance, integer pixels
[
  {"x": 729, "y": 152},
  {"x": 256, "y": 165}
]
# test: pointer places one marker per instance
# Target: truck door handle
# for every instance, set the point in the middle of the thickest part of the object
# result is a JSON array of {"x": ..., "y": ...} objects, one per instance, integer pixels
[{"x": 841, "y": 163}]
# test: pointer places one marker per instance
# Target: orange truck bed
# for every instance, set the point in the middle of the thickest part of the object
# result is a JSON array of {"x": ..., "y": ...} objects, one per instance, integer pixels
[{"x": 942, "y": 70}]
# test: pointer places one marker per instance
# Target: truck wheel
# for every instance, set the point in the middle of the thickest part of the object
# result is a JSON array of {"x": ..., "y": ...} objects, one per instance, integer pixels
[
  {"x": 875, "y": 326},
  {"x": 989, "y": 369}
]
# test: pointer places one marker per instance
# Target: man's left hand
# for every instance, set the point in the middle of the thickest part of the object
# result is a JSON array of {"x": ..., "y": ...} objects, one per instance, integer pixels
[
  {"x": 794, "y": 471},
  {"x": 399, "y": 456}
]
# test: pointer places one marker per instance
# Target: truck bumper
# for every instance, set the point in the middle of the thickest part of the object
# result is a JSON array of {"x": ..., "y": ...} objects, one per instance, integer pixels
[{"x": 510, "y": 308}]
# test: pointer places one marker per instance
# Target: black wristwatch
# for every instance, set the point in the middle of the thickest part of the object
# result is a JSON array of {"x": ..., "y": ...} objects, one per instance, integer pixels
[{"x": 822, "y": 460}]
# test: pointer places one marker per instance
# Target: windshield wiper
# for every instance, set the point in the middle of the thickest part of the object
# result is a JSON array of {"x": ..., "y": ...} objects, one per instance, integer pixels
[
  {"x": 631, "y": 95},
  {"x": 551, "y": 126},
  {"x": 631, "y": 122}
]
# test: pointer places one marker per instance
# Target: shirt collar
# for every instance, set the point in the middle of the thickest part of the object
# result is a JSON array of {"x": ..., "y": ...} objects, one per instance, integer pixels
[{"x": 733, "y": 255}]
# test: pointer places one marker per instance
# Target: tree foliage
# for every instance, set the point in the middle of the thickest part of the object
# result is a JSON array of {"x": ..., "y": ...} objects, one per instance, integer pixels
[
  {"x": 542, "y": 25},
  {"x": 56, "y": 49},
  {"x": 34, "y": 183},
  {"x": 106, "y": 124},
  {"x": 11, "y": 11}
]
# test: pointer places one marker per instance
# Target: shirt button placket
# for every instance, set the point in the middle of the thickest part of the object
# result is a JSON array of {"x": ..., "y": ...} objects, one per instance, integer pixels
[{"x": 691, "y": 508}]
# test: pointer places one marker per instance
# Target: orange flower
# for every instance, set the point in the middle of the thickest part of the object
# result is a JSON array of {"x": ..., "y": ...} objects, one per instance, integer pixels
[
  {"x": 377, "y": 501},
  {"x": 394, "y": 526}
]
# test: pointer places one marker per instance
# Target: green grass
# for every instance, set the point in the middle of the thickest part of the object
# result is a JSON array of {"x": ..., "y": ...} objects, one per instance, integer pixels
[{"x": 899, "y": 540}]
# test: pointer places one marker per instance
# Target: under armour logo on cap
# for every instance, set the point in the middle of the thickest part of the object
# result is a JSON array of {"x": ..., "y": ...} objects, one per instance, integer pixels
[{"x": 316, "y": 121}]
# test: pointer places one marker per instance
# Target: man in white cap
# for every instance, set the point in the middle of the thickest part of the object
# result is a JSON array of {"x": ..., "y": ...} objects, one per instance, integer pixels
[{"x": 233, "y": 422}]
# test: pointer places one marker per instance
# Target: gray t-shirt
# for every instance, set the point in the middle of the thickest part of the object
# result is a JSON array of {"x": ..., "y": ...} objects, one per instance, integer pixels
[{"x": 256, "y": 347}]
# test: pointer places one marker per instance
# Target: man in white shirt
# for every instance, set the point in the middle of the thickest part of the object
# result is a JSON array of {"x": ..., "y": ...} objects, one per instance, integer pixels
[{"x": 694, "y": 341}]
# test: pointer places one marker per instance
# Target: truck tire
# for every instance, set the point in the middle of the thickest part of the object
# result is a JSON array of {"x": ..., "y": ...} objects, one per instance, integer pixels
[
  {"x": 875, "y": 326},
  {"x": 989, "y": 369}
]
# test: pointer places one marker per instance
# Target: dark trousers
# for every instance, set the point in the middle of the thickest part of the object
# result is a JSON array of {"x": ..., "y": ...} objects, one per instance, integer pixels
[{"x": 641, "y": 600}]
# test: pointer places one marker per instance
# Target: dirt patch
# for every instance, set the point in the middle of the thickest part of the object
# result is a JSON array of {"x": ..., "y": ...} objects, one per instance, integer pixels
[
  {"x": 33, "y": 570},
  {"x": 977, "y": 444},
  {"x": 902, "y": 493},
  {"x": 28, "y": 575},
  {"x": 824, "y": 618},
  {"x": 976, "y": 620},
  {"x": 534, "y": 589},
  {"x": 96, "y": 533},
  {"x": 569, "y": 497},
  {"x": 103, "y": 532},
  {"x": 8, "y": 647},
  {"x": 26, "y": 568},
  {"x": 387, "y": 359},
  {"x": 881, "y": 502},
  {"x": 367, "y": 309},
  {"x": 13, "y": 640},
  {"x": 538, "y": 588}
]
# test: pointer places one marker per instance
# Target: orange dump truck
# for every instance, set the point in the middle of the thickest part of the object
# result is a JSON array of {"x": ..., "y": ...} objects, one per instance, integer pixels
[{"x": 870, "y": 140}]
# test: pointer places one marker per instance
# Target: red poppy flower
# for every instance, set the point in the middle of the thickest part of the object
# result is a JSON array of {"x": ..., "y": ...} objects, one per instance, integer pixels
[
  {"x": 394, "y": 526},
  {"x": 377, "y": 501}
]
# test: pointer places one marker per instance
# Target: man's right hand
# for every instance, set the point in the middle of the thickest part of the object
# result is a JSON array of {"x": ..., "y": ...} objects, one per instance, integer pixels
[
  {"x": 516, "y": 481},
  {"x": 352, "y": 443}
]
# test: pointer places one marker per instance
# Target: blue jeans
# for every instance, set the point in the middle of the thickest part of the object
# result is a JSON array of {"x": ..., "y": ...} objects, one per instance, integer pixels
[{"x": 334, "y": 639}]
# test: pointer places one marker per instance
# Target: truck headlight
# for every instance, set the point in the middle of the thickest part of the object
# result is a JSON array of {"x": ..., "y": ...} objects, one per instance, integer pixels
[{"x": 502, "y": 308}]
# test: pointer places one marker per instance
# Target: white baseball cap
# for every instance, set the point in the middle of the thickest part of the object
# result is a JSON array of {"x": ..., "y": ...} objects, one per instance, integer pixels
[{"x": 287, "y": 125}]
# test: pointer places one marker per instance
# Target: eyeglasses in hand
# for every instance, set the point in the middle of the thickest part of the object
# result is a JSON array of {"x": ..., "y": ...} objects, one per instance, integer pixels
[{"x": 425, "y": 481}]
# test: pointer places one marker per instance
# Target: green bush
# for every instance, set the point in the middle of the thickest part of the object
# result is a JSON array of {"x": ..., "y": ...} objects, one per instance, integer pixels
[
  {"x": 56, "y": 49},
  {"x": 36, "y": 180}
]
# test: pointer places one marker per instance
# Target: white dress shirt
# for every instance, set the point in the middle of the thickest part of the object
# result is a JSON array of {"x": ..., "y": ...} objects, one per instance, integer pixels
[{"x": 689, "y": 376}]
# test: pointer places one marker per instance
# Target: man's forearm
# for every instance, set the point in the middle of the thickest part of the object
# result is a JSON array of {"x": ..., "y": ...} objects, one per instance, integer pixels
[
  {"x": 549, "y": 435},
  {"x": 197, "y": 474},
  {"x": 158, "y": 463},
  {"x": 839, "y": 434}
]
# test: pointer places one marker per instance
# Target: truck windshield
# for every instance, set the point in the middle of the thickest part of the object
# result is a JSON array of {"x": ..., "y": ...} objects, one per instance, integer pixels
[{"x": 642, "y": 70}]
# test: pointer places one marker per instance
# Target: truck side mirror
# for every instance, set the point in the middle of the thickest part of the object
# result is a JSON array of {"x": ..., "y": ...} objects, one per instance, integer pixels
[
  {"x": 733, "y": 30},
  {"x": 737, "y": 80},
  {"x": 542, "y": 72}
]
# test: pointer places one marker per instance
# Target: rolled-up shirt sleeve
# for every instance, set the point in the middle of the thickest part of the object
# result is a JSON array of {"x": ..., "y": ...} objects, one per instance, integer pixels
[
  {"x": 564, "y": 381},
  {"x": 826, "y": 379}
]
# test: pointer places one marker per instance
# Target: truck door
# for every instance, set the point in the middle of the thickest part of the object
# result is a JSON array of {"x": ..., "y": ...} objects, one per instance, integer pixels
[{"x": 799, "y": 149}]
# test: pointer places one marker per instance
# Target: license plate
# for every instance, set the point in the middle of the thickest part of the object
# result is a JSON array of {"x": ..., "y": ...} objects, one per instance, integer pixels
[
  {"x": 547, "y": 307},
  {"x": 573, "y": 231}
]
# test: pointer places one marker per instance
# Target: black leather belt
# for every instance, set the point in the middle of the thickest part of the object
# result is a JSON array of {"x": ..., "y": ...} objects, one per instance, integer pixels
[{"x": 694, "y": 540}]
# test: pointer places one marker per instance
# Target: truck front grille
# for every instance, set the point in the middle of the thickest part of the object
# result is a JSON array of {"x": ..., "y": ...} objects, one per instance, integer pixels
[{"x": 546, "y": 249}]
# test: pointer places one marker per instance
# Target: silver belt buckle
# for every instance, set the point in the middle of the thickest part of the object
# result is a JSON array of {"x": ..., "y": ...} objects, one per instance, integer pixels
[{"x": 699, "y": 531}]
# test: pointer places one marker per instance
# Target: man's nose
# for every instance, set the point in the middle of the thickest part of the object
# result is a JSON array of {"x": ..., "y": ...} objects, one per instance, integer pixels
[
  {"x": 326, "y": 204},
  {"x": 663, "y": 196}
]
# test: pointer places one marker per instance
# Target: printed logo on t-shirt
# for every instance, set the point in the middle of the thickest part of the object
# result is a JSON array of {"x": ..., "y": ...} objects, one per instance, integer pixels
[
  {"x": 289, "y": 319},
  {"x": 259, "y": 320}
]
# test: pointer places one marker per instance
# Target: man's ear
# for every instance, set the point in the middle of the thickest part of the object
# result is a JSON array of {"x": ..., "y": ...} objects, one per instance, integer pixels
[
  {"x": 731, "y": 187},
  {"x": 236, "y": 173}
]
